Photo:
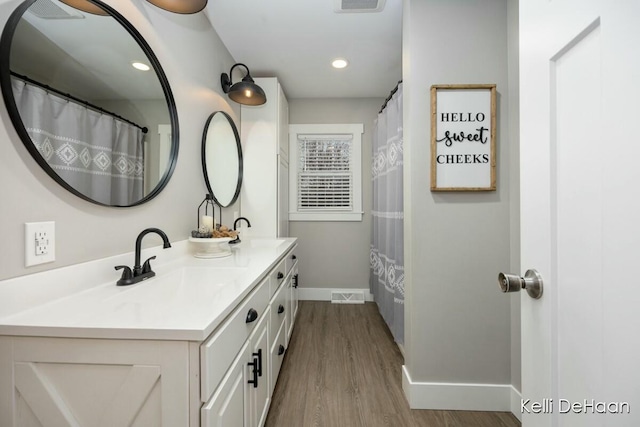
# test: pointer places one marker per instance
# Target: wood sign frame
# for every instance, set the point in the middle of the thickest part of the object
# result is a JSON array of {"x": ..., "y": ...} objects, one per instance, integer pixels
[{"x": 463, "y": 137}]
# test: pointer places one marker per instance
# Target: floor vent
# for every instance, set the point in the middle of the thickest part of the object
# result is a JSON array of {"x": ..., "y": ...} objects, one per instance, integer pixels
[
  {"x": 347, "y": 297},
  {"x": 347, "y": 6}
]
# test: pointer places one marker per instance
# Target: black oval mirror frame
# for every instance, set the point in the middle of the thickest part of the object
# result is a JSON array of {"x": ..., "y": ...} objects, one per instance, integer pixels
[
  {"x": 7, "y": 92},
  {"x": 207, "y": 174}
]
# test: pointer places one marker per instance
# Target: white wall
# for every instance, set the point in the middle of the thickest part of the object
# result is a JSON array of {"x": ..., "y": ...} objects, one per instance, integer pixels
[
  {"x": 457, "y": 322},
  {"x": 336, "y": 254},
  {"x": 193, "y": 57}
]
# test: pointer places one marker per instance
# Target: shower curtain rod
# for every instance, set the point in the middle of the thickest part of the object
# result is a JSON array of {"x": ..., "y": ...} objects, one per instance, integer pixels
[
  {"x": 395, "y": 89},
  {"x": 78, "y": 100}
]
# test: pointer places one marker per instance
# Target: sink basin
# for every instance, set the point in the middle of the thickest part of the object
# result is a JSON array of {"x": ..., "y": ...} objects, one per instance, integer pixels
[
  {"x": 264, "y": 243},
  {"x": 183, "y": 282},
  {"x": 209, "y": 275}
]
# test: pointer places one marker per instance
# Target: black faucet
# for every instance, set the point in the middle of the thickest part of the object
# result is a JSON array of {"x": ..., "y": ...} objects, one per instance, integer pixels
[
  {"x": 240, "y": 218},
  {"x": 141, "y": 272},
  {"x": 235, "y": 225}
]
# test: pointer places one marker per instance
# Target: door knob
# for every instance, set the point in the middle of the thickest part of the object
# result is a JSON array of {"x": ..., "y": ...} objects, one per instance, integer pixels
[{"x": 532, "y": 282}]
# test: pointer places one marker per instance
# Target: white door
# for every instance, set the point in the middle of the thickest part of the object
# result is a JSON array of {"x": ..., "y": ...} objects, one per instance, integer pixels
[{"x": 580, "y": 211}]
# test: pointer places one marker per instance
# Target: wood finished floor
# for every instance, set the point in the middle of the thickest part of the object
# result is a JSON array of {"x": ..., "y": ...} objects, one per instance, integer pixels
[{"x": 342, "y": 369}]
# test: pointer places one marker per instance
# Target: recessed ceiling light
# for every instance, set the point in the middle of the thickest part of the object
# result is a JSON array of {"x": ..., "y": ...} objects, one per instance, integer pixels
[
  {"x": 140, "y": 66},
  {"x": 339, "y": 63}
]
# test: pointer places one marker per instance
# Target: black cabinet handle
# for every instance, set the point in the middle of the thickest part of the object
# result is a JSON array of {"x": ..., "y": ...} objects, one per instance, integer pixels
[
  {"x": 280, "y": 309},
  {"x": 254, "y": 373},
  {"x": 252, "y": 315},
  {"x": 280, "y": 275},
  {"x": 258, "y": 354},
  {"x": 293, "y": 257},
  {"x": 280, "y": 350},
  {"x": 295, "y": 281}
]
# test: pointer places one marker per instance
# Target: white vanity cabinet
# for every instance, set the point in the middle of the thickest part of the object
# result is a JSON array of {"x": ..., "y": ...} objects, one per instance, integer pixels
[
  {"x": 265, "y": 152},
  {"x": 227, "y": 379},
  {"x": 283, "y": 308},
  {"x": 254, "y": 372},
  {"x": 228, "y": 406},
  {"x": 242, "y": 398},
  {"x": 88, "y": 382},
  {"x": 291, "y": 262},
  {"x": 259, "y": 391}
]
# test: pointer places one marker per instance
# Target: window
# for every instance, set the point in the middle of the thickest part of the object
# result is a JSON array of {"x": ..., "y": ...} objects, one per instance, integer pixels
[{"x": 325, "y": 172}]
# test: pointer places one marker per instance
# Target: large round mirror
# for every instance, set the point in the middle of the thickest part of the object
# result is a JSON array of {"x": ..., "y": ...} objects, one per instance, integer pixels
[
  {"x": 222, "y": 158},
  {"x": 89, "y": 100}
]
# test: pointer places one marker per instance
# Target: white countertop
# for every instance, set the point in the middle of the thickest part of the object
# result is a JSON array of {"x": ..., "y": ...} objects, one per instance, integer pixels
[{"x": 187, "y": 299}]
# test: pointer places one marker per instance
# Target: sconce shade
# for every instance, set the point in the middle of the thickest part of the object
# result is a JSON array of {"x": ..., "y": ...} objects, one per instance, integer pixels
[
  {"x": 245, "y": 92},
  {"x": 86, "y": 6},
  {"x": 180, "y": 6}
]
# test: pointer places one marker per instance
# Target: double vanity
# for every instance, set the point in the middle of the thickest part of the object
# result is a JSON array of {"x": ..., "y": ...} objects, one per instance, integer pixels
[
  {"x": 183, "y": 342},
  {"x": 199, "y": 344}
]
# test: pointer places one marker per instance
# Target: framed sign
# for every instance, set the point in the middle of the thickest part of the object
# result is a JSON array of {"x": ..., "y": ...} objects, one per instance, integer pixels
[{"x": 463, "y": 137}]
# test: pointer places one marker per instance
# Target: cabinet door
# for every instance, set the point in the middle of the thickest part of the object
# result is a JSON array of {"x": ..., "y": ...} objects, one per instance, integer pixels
[
  {"x": 277, "y": 355},
  {"x": 293, "y": 300},
  {"x": 259, "y": 392},
  {"x": 283, "y": 197},
  {"x": 87, "y": 382},
  {"x": 229, "y": 406}
]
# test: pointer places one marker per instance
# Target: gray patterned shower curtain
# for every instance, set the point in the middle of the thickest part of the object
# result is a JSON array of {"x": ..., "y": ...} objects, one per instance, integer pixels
[
  {"x": 99, "y": 155},
  {"x": 387, "y": 251}
]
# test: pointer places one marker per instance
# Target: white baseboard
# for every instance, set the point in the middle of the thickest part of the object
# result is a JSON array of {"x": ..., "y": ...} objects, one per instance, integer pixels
[
  {"x": 516, "y": 399},
  {"x": 463, "y": 397},
  {"x": 324, "y": 294}
]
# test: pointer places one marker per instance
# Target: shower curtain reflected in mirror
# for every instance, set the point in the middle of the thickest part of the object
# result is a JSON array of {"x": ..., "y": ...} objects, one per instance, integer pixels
[
  {"x": 99, "y": 155},
  {"x": 387, "y": 251}
]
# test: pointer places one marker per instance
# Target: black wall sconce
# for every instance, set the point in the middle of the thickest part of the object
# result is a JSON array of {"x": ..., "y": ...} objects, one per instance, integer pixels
[{"x": 245, "y": 92}]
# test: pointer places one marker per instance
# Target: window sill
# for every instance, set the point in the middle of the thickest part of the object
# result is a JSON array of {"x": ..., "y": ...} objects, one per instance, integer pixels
[{"x": 324, "y": 216}]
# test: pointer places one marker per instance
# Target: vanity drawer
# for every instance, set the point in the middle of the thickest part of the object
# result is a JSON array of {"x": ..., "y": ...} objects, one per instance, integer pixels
[
  {"x": 277, "y": 276},
  {"x": 291, "y": 259},
  {"x": 277, "y": 355},
  {"x": 279, "y": 310},
  {"x": 219, "y": 350}
]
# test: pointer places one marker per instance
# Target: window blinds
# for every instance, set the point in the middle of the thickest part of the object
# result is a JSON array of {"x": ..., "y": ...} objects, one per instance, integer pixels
[{"x": 325, "y": 172}]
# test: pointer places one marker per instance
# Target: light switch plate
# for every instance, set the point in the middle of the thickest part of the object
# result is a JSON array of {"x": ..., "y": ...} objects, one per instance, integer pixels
[{"x": 39, "y": 243}]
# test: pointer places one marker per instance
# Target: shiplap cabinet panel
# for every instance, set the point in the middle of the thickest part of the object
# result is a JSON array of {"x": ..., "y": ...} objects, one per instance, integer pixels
[{"x": 84, "y": 382}]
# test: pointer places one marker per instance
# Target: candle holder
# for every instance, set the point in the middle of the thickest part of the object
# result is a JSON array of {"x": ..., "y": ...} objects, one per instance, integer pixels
[
  {"x": 206, "y": 217},
  {"x": 206, "y": 246}
]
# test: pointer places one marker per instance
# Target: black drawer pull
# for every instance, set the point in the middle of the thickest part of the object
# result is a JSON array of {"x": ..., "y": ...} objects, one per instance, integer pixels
[
  {"x": 295, "y": 281},
  {"x": 280, "y": 350},
  {"x": 280, "y": 309},
  {"x": 254, "y": 373},
  {"x": 259, "y": 356},
  {"x": 252, "y": 315},
  {"x": 293, "y": 257},
  {"x": 280, "y": 275}
]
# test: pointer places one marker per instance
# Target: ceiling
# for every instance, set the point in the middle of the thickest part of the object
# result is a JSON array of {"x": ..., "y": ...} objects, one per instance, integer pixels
[
  {"x": 88, "y": 56},
  {"x": 296, "y": 40}
]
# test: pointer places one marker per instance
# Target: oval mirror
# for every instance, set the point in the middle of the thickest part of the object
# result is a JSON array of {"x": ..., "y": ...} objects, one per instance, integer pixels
[
  {"x": 222, "y": 158},
  {"x": 104, "y": 130}
]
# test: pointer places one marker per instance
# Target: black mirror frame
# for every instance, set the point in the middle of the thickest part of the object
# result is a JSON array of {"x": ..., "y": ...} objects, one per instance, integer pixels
[
  {"x": 7, "y": 93},
  {"x": 204, "y": 160}
]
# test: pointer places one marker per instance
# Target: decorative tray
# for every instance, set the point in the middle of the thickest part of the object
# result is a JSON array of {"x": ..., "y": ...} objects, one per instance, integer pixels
[{"x": 210, "y": 247}]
